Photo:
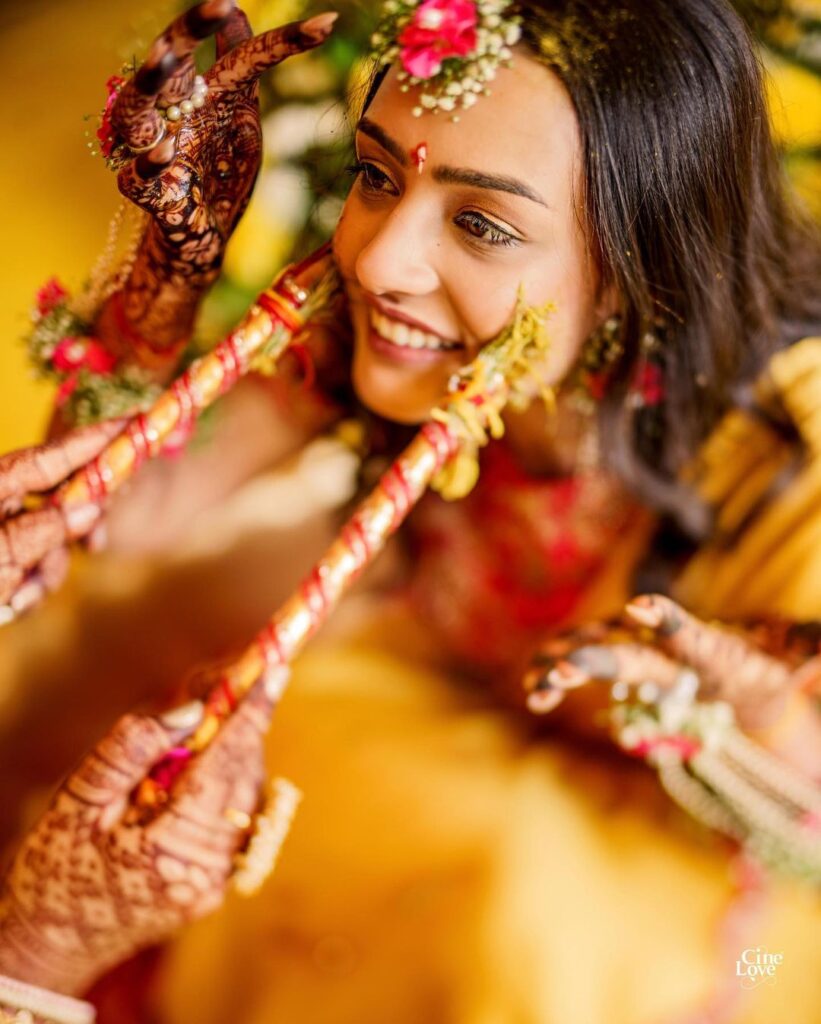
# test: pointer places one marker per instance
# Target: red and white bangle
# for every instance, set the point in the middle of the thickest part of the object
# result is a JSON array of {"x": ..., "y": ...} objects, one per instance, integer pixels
[{"x": 25, "y": 1004}]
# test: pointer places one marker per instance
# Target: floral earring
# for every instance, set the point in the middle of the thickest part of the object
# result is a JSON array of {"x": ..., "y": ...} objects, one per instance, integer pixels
[{"x": 599, "y": 356}]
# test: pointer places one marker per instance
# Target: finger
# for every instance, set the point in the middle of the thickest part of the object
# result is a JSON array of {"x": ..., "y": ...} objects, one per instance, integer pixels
[
  {"x": 556, "y": 647},
  {"x": 227, "y": 776},
  {"x": 183, "y": 36},
  {"x": 234, "y": 30},
  {"x": 135, "y": 118},
  {"x": 53, "y": 568},
  {"x": 629, "y": 663},
  {"x": 246, "y": 62},
  {"x": 11, "y": 577},
  {"x": 44, "y": 579},
  {"x": 310, "y": 271},
  {"x": 10, "y": 506},
  {"x": 33, "y": 470},
  {"x": 727, "y": 663},
  {"x": 119, "y": 762},
  {"x": 97, "y": 540},
  {"x": 27, "y": 538},
  {"x": 145, "y": 182},
  {"x": 29, "y": 594}
]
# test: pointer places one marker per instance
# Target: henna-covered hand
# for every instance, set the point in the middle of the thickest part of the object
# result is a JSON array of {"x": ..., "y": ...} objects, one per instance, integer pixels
[
  {"x": 196, "y": 180},
  {"x": 34, "y": 543},
  {"x": 658, "y": 640},
  {"x": 95, "y": 880}
]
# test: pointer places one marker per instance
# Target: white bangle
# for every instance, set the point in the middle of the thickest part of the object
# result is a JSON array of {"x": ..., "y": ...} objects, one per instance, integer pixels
[{"x": 25, "y": 1000}]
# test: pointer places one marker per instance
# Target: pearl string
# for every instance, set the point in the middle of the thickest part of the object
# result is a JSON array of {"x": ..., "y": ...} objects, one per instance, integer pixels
[{"x": 177, "y": 111}]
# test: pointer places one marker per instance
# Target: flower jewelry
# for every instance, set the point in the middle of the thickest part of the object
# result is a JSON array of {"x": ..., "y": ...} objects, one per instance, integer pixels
[
  {"x": 105, "y": 131},
  {"x": 89, "y": 388},
  {"x": 452, "y": 49},
  {"x": 720, "y": 776}
]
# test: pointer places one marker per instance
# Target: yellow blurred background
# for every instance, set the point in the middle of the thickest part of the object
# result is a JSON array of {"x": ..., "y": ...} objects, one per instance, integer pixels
[{"x": 57, "y": 199}]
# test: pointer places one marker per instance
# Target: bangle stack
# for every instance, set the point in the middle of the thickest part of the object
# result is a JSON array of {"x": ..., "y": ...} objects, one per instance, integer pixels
[{"x": 21, "y": 1003}]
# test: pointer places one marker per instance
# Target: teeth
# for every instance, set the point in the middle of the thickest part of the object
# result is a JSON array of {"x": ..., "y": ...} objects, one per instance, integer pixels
[{"x": 406, "y": 336}]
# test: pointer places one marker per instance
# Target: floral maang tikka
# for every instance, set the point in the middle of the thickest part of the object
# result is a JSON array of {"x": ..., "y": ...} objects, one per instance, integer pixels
[{"x": 450, "y": 49}]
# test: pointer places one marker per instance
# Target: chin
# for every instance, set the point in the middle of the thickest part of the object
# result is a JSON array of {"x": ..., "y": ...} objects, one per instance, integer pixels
[
  {"x": 391, "y": 403},
  {"x": 397, "y": 393}
]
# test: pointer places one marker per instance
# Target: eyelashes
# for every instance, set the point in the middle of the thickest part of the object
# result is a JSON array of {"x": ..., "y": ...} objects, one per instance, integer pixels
[
  {"x": 374, "y": 183},
  {"x": 484, "y": 230},
  {"x": 371, "y": 178}
]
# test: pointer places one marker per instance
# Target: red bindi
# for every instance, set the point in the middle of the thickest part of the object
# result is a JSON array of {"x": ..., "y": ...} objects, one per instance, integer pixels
[{"x": 419, "y": 155}]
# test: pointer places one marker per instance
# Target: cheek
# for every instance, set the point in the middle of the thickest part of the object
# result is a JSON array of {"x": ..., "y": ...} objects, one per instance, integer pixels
[
  {"x": 344, "y": 252},
  {"x": 354, "y": 231}
]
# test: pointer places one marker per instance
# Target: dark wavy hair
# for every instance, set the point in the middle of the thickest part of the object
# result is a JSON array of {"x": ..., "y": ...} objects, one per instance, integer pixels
[
  {"x": 686, "y": 204},
  {"x": 687, "y": 207}
]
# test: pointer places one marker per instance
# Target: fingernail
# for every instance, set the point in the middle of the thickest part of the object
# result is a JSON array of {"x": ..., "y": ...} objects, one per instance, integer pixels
[
  {"x": 320, "y": 25},
  {"x": 544, "y": 699},
  {"x": 98, "y": 539},
  {"x": 80, "y": 518},
  {"x": 275, "y": 681},
  {"x": 216, "y": 8},
  {"x": 7, "y": 614},
  {"x": 645, "y": 613},
  {"x": 186, "y": 717},
  {"x": 240, "y": 819},
  {"x": 27, "y": 596},
  {"x": 567, "y": 676}
]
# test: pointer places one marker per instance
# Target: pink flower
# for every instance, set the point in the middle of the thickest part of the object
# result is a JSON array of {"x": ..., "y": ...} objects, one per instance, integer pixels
[
  {"x": 82, "y": 353},
  {"x": 439, "y": 29},
  {"x": 50, "y": 296},
  {"x": 105, "y": 133}
]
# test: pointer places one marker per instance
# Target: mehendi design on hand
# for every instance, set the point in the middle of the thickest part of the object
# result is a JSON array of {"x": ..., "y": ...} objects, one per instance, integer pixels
[
  {"x": 96, "y": 880},
  {"x": 661, "y": 641},
  {"x": 730, "y": 667},
  {"x": 195, "y": 182},
  {"x": 33, "y": 543}
]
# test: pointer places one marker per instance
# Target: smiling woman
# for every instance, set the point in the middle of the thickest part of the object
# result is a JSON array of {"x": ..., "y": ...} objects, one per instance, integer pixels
[
  {"x": 448, "y": 249},
  {"x": 455, "y": 861}
]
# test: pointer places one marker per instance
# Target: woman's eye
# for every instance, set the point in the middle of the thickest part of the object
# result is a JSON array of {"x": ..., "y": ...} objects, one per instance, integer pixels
[
  {"x": 484, "y": 230},
  {"x": 371, "y": 179}
]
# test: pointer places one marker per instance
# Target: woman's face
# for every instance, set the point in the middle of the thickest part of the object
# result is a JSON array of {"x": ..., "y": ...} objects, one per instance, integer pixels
[{"x": 433, "y": 256}]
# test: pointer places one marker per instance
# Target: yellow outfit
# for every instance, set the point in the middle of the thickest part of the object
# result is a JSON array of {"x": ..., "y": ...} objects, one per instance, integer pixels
[{"x": 446, "y": 867}]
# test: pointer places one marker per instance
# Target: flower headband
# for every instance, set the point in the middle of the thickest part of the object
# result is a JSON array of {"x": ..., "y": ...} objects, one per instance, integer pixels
[{"x": 451, "y": 48}]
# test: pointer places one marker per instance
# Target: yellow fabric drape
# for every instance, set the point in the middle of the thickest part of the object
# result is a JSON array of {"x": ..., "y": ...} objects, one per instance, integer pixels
[{"x": 773, "y": 567}]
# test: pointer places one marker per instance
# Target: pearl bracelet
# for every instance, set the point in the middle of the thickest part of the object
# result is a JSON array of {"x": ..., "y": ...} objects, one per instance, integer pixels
[
  {"x": 21, "y": 1003},
  {"x": 176, "y": 111}
]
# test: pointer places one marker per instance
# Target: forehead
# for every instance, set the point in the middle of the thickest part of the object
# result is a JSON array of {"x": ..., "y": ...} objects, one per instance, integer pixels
[{"x": 526, "y": 127}]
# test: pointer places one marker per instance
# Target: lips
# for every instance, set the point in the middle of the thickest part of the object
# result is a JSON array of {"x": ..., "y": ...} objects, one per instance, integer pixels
[{"x": 404, "y": 339}]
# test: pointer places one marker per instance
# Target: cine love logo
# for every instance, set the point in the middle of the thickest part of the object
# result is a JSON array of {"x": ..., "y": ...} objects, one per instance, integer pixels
[{"x": 756, "y": 966}]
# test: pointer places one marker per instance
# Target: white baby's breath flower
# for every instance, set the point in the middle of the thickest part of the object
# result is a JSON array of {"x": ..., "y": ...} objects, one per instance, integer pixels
[{"x": 513, "y": 33}]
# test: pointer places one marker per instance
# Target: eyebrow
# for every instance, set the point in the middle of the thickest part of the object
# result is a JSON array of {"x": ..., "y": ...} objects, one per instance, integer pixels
[{"x": 451, "y": 175}]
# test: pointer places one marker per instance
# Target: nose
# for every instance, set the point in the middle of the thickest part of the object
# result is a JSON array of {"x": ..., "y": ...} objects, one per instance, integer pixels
[{"x": 396, "y": 260}]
